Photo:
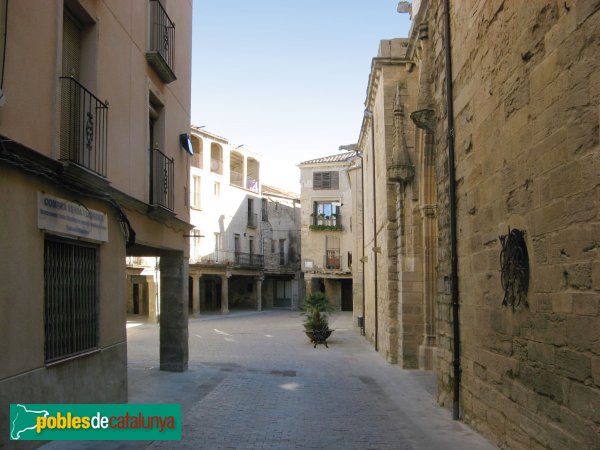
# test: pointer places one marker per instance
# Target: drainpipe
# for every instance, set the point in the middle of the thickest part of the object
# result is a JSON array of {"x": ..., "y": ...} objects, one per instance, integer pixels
[
  {"x": 375, "y": 250},
  {"x": 453, "y": 231}
]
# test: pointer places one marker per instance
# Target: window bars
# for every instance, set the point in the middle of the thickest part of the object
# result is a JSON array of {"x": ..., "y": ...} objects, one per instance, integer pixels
[{"x": 70, "y": 299}]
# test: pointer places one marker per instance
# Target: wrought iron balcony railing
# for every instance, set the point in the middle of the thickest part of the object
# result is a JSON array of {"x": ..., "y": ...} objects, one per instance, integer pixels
[
  {"x": 161, "y": 180},
  {"x": 248, "y": 259},
  {"x": 161, "y": 51},
  {"x": 252, "y": 220},
  {"x": 83, "y": 127}
]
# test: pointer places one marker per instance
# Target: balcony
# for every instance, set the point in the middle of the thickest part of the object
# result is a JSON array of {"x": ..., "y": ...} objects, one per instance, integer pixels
[
  {"x": 161, "y": 180},
  {"x": 252, "y": 184},
  {"x": 252, "y": 220},
  {"x": 332, "y": 260},
  {"x": 248, "y": 260},
  {"x": 322, "y": 222},
  {"x": 83, "y": 127},
  {"x": 236, "y": 178},
  {"x": 161, "y": 52}
]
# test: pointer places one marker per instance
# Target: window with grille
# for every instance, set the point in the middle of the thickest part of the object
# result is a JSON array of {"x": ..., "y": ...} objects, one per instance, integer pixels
[
  {"x": 70, "y": 298},
  {"x": 326, "y": 180}
]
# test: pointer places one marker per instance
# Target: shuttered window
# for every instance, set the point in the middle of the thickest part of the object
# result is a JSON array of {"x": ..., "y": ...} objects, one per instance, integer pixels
[
  {"x": 325, "y": 180},
  {"x": 71, "y": 63},
  {"x": 70, "y": 299}
]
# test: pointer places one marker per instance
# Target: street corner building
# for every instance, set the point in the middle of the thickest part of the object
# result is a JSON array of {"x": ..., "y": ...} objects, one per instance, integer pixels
[
  {"x": 94, "y": 157},
  {"x": 327, "y": 239},
  {"x": 480, "y": 162}
]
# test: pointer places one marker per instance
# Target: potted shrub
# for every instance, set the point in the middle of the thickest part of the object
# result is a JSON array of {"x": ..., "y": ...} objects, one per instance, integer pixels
[{"x": 315, "y": 308}]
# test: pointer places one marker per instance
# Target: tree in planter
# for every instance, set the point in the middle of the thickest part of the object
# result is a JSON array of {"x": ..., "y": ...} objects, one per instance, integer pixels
[{"x": 316, "y": 324}]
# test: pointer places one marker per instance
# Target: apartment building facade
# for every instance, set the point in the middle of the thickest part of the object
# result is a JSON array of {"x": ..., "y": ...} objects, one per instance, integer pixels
[
  {"x": 326, "y": 228},
  {"x": 226, "y": 261},
  {"x": 91, "y": 170},
  {"x": 280, "y": 228}
]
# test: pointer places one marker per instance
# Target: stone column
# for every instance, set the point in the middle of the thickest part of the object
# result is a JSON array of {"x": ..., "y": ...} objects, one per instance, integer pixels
[
  {"x": 225, "y": 294},
  {"x": 152, "y": 309},
  {"x": 196, "y": 283},
  {"x": 173, "y": 312},
  {"x": 259, "y": 281}
]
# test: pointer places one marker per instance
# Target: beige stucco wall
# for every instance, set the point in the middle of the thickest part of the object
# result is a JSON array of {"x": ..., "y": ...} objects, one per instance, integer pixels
[
  {"x": 313, "y": 242},
  {"x": 119, "y": 74},
  {"x": 115, "y": 70}
]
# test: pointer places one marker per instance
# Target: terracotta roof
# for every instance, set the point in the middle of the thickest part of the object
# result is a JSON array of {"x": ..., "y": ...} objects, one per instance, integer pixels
[
  {"x": 339, "y": 157},
  {"x": 266, "y": 190}
]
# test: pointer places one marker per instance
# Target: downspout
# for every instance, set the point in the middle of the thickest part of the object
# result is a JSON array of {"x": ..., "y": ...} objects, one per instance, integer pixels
[
  {"x": 375, "y": 249},
  {"x": 453, "y": 231},
  {"x": 362, "y": 190}
]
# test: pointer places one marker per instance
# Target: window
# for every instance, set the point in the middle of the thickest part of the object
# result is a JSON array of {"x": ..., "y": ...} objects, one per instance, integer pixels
[
  {"x": 217, "y": 189},
  {"x": 218, "y": 246},
  {"x": 327, "y": 214},
  {"x": 236, "y": 247},
  {"x": 70, "y": 298},
  {"x": 325, "y": 180},
  {"x": 281, "y": 252},
  {"x": 252, "y": 216},
  {"x": 216, "y": 158},
  {"x": 332, "y": 253},
  {"x": 197, "y": 159},
  {"x": 196, "y": 191},
  {"x": 83, "y": 117},
  {"x": 195, "y": 237},
  {"x": 264, "y": 209}
]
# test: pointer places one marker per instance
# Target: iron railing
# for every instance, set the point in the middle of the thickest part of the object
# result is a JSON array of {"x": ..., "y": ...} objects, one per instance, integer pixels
[
  {"x": 334, "y": 220},
  {"x": 71, "y": 299},
  {"x": 161, "y": 180},
  {"x": 332, "y": 260},
  {"x": 83, "y": 127},
  {"x": 252, "y": 220},
  {"x": 248, "y": 259},
  {"x": 161, "y": 53}
]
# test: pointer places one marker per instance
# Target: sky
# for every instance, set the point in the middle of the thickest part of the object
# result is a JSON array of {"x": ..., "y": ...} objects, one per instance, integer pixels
[{"x": 286, "y": 79}]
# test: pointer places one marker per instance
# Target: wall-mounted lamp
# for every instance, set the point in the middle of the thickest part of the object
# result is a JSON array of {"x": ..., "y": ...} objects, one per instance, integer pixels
[{"x": 186, "y": 143}]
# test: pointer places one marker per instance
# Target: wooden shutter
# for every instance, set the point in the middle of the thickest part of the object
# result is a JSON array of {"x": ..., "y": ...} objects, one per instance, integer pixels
[
  {"x": 334, "y": 180},
  {"x": 71, "y": 63}
]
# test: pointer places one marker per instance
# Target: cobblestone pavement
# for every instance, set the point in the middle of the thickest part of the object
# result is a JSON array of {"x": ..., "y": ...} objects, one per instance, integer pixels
[{"x": 255, "y": 382}]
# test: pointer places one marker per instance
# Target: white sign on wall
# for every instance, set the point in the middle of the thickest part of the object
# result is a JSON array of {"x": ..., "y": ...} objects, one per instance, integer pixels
[{"x": 73, "y": 219}]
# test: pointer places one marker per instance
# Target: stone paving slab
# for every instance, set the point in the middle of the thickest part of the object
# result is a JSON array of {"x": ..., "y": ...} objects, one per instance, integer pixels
[{"x": 255, "y": 382}]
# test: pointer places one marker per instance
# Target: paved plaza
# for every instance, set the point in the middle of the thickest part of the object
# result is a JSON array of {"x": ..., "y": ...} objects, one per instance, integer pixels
[{"x": 255, "y": 382}]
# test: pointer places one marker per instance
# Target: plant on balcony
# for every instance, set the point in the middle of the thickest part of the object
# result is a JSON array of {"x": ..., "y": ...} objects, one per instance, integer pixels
[
  {"x": 316, "y": 308},
  {"x": 326, "y": 227}
]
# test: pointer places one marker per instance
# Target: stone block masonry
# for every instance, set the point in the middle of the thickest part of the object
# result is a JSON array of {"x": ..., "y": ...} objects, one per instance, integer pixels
[{"x": 526, "y": 99}]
